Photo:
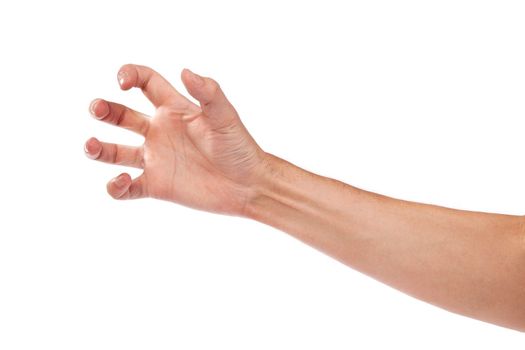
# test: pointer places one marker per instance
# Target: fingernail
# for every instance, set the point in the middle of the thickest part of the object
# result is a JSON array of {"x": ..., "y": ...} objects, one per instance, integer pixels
[
  {"x": 102, "y": 112},
  {"x": 120, "y": 181},
  {"x": 92, "y": 148},
  {"x": 122, "y": 76},
  {"x": 92, "y": 107},
  {"x": 86, "y": 149},
  {"x": 196, "y": 79}
]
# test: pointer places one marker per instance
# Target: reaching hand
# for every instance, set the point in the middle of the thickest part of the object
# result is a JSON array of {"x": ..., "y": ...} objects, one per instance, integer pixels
[{"x": 202, "y": 157}]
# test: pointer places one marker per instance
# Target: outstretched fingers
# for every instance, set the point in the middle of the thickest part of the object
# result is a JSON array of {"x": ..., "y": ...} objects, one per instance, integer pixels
[
  {"x": 114, "y": 154},
  {"x": 123, "y": 187},
  {"x": 119, "y": 115}
]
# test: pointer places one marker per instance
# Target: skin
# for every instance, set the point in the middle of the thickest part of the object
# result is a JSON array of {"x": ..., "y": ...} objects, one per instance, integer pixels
[{"x": 202, "y": 156}]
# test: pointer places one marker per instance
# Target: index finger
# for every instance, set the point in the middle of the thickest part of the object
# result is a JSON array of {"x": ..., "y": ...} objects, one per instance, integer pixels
[{"x": 157, "y": 89}]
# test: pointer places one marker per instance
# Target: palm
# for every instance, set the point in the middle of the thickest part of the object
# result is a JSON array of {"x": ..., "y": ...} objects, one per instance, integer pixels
[
  {"x": 186, "y": 161},
  {"x": 198, "y": 157}
]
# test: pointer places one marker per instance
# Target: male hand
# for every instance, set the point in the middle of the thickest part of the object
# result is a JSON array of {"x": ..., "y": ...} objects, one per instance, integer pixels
[{"x": 198, "y": 156}]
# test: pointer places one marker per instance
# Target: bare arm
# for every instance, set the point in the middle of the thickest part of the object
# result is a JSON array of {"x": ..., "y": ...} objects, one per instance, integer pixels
[
  {"x": 467, "y": 262},
  {"x": 203, "y": 157}
]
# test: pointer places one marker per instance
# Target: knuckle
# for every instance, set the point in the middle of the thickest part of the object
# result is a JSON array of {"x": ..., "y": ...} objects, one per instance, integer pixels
[
  {"x": 119, "y": 116},
  {"x": 214, "y": 87},
  {"x": 139, "y": 158},
  {"x": 115, "y": 155},
  {"x": 135, "y": 191}
]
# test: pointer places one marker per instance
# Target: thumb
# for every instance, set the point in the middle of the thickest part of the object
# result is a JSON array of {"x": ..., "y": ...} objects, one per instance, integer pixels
[{"x": 210, "y": 96}]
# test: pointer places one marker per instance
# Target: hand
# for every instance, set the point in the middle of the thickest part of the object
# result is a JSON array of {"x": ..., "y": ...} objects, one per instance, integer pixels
[{"x": 201, "y": 157}]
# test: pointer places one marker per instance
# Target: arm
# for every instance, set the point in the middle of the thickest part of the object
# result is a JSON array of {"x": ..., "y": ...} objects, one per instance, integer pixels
[
  {"x": 467, "y": 262},
  {"x": 203, "y": 157}
]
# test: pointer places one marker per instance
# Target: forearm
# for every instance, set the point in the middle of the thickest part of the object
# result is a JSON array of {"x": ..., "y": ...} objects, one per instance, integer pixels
[{"x": 468, "y": 262}]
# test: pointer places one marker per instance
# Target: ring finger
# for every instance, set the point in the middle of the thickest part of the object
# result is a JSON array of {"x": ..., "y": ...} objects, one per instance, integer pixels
[{"x": 114, "y": 154}]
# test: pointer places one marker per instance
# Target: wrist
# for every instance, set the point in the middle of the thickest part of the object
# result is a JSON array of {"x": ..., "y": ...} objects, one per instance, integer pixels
[
  {"x": 264, "y": 180},
  {"x": 278, "y": 187}
]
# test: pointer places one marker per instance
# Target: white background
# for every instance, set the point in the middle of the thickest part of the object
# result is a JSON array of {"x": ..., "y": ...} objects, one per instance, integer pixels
[{"x": 420, "y": 100}]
